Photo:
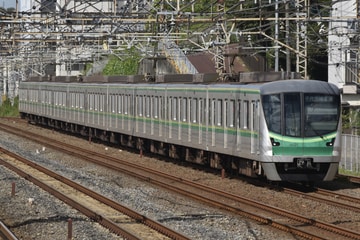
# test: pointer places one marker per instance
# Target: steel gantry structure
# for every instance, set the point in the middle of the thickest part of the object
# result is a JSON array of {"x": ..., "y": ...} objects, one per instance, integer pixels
[{"x": 57, "y": 37}]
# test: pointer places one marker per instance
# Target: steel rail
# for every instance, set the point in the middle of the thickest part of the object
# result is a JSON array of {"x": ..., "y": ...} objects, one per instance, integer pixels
[
  {"x": 110, "y": 164},
  {"x": 6, "y": 233},
  {"x": 88, "y": 212}
]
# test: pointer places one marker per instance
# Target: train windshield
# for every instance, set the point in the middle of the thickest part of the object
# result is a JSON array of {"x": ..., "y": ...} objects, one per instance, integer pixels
[
  {"x": 298, "y": 114},
  {"x": 321, "y": 114}
]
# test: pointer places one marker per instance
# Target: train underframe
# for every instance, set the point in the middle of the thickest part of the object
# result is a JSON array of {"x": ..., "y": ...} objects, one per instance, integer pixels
[{"x": 231, "y": 164}]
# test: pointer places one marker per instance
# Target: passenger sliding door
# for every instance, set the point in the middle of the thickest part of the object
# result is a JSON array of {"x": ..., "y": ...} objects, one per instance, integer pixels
[{"x": 254, "y": 126}]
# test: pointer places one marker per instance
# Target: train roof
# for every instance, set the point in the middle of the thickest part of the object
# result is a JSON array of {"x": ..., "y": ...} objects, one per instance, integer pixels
[{"x": 299, "y": 85}]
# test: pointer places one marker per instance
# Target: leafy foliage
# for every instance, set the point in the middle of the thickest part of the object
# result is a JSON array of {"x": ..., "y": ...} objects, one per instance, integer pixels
[{"x": 126, "y": 66}]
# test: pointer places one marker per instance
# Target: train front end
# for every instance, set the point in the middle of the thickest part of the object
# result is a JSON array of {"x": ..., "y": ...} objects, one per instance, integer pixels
[{"x": 301, "y": 137}]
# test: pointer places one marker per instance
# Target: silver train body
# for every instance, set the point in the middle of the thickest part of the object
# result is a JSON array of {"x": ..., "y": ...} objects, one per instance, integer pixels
[{"x": 256, "y": 130}]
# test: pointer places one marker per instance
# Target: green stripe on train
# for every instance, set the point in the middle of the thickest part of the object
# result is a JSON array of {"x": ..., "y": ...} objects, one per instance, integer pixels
[
  {"x": 128, "y": 117},
  {"x": 312, "y": 146}
]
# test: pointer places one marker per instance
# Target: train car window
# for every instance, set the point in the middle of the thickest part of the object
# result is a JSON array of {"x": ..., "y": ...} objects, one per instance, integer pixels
[
  {"x": 231, "y": 113},
  {"x": 82, "y": 101},
  {"x": 78, "y": 100},
  {"x": 219, "y": 112},
  {"x": 174, "y": 108},
  {"x": 126, "y": 104},
  {"x": 143, "y": 98},
  {"x": 89, "y": 101},
  {"x": 36, "y": 96},
  {"x": 238, "y": 116},
  {"x": 292, "y": 114},
  {"x": 100, "y": 102},
  {"x": 120, "y": 103},
  {"x": 321, "y": 114},
  {"x": 256, "y": 115},
  {"x": 201, "y": 111},
  {"x": 212, "y": 113},
  {"x": 225, "y": 116},
  {"x": 139, "y": 105},
  {"x": 130, "y": 106},
  {"x": 272, "y": 111},
  {"x": 169, "y": 109},
  {"x": 193, "y": 110},
  {"x": 92, "y": 101},
  {"x": 31, "y": 96},
  {"x": 112, "y": 103},
  {"x": 64, "y": 99},
  {"x": 59, "y": 99},
  {"x": 246, "y": 114},
  {"x": 161, "y": 108},
  {"x": 97, "y": 103},
  {"x": 49, "y": 97},
  {"x": 148, "y": 105},
  {"x": 188, "y": 109},
  {"x": 155, "y": 107},
  {"x": 183, "y": 113},
  {"x": 42, "y": 96},
  {"x": 72, "y": 99}
]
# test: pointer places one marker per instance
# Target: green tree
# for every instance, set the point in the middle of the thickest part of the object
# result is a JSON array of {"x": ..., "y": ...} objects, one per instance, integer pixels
[{"x": 127, "y": 66}]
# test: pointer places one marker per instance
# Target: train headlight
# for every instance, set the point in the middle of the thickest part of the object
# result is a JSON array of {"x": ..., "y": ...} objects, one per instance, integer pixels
[
  {"x": 331, "y": 143},
  {"x": 274, "y": 143}
]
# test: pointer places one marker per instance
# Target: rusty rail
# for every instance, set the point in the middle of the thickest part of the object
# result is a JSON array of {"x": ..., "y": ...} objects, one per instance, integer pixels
[
  {"x": 125, "y": 166},
  {"x": 86, "y": 211},
  {"x": 5, "y": 233}
]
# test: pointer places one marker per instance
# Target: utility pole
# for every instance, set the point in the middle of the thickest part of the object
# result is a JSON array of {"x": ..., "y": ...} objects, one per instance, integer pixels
[
  {"x": 287, "y": 35},
  {"x": 276, "y": 36},
  {"x": 220, "y": 39},
  {"x": 301, "y": 39}
]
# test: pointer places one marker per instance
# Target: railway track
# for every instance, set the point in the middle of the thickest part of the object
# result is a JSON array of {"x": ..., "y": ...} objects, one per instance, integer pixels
[
  {"x": 352, "y": 179},
  {"x": 322, "y": 195},
  {"x": 278, "y": 218},
  {"x": 112, "y": 215},
  {"x": 5, "y": 233}
]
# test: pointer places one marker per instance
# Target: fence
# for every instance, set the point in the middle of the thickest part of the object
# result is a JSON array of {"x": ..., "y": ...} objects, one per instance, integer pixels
[{"x": 350, "y": 153}]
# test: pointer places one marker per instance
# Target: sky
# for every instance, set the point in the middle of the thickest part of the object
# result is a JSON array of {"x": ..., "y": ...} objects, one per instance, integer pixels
[{"x": 8, "y": 3}]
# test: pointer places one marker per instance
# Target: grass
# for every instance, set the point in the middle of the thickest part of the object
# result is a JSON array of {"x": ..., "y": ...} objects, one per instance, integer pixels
[
  {"x": 348, "y": 172},
  {"x": 8, "y": 109}
]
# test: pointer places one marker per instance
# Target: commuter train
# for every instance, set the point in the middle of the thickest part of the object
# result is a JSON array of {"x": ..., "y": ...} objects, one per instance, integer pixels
[{"x": 286, "y": 130}]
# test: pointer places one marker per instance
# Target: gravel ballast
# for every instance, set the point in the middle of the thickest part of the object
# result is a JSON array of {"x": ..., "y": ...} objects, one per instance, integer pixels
[{"x": 48, "y": 216}]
